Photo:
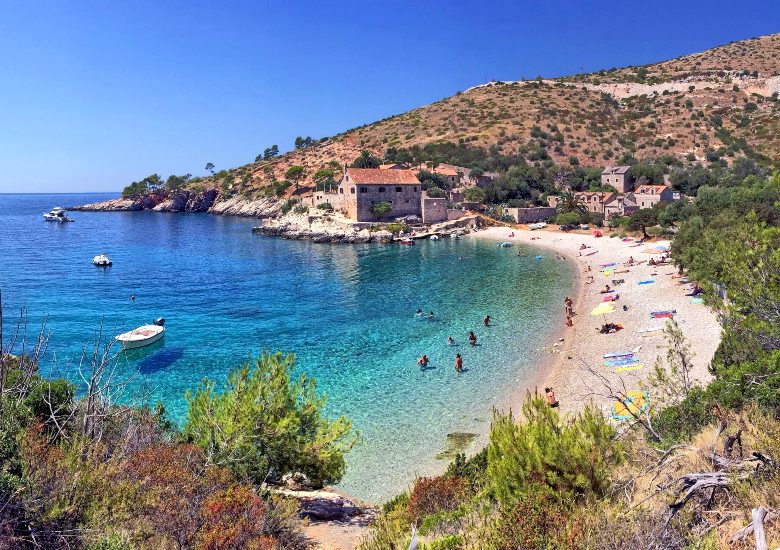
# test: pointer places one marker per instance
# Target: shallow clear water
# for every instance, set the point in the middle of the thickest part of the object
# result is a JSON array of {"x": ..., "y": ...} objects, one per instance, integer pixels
[{"x": 347, "y": 311}]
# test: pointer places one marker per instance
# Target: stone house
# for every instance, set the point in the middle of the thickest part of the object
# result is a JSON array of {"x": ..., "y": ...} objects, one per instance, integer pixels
[
  {"x": 361, "y": 188},
  {"x": 593, "y": 201},
  {"x": 648, "y": 196},
  {"x": 450, "y": 174},
  {"x": 620, "y": 205},
  {"x": 618, "y": 177}
]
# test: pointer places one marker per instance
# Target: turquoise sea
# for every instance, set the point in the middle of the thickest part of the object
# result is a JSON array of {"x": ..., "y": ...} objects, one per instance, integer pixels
[{"x": 347, "y": 311}]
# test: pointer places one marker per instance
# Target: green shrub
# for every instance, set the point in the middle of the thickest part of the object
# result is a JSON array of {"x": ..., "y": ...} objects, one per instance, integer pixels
[
  {"x": 397, "y": 228},
  {"x": 300, "y": 209},
  {"x": 295, "y": 436},
  {"x": 436, "y": 193},
  {"x": 570, "y": 455},
  {"x": 288, "y": 205},
  {"x": 568, "y": 218},
  {"x": 449, "y": 542}
]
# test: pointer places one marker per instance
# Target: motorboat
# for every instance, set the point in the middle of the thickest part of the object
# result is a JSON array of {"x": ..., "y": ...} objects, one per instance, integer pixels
[
  {"x": 538, "y": 225},
  {"x": 101, "y": 260},
  {"x": 407, "y": 240},
  {"x": 57, "y": 214},
  {"x": 505, "y": 244},
  {"x": 434, "y": 237},
  {"x": 142, "y": 336}
]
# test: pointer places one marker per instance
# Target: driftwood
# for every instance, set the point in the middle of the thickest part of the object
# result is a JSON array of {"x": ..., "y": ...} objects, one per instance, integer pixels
[
  {"x": 693, "y": 483},
  {"x": 763, "y": 516}
]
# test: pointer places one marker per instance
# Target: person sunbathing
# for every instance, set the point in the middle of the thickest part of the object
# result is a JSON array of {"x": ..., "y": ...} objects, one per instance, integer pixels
[{"x": 606, "y": 290}]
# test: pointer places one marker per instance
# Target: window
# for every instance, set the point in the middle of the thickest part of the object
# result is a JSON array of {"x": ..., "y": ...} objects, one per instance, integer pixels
[
  {"x": 398, "y": 189},
  {"x": 407, "y": 201},
  {"x": 381, "y": 189},
  {"x": 341, "y": 190},
  {"x": 414, "y": 189},
  {"x": 364, "y": 189},
  {"x": 352, "y": 190}
]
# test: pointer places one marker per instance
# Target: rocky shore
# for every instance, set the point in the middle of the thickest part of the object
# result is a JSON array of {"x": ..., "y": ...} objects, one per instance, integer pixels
[
  {"x": 325, "y": 228},
  {"x": 208, "y": 200}
]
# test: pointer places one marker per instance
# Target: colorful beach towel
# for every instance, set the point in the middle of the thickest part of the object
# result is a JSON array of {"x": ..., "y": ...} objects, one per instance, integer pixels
[
  {"x": 647, "y": 282},
  {"x": 591, "y": 253},
  {"x": 635, "y": 402},
  {"x": 621, "y": 362},
  {"x": 629, "y": 367},
  {"x": 697, "y": 300},
  {"x": 608, "y": 265},
  {"x": 610, "y": 298},
  {"x": 618, "y": 354}
]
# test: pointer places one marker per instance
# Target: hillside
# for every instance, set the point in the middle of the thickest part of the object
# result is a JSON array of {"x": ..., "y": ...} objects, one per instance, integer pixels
[{"x": 718, "y": 104}]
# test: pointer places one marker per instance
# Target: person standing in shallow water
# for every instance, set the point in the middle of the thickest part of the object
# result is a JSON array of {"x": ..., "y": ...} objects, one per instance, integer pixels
[
  {"x": 472, "y": 338},
  {"x": 423, "y": 362},
  {"x": 458, "y": 363},
  {"x": 486, "y": 321}
]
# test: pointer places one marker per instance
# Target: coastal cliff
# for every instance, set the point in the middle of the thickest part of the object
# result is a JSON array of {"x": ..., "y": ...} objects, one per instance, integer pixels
[{"x": 208, "y": 200}]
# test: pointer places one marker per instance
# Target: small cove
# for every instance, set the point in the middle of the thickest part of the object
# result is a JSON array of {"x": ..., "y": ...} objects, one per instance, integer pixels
[{"x": 347, "y": 311}]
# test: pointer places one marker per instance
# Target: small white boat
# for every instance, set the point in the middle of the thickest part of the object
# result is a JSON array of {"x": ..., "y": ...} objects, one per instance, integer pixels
[
  {"x": 142, "y": 336},
  {"x": 535, "y": 226},
  {"x": 505, "y": 244},
  {"x": 407, "y": 240},
  {"x": 434, "y": 237},
  {"x": 101, "y": 260},
  {"x": 57, "y": 214}
]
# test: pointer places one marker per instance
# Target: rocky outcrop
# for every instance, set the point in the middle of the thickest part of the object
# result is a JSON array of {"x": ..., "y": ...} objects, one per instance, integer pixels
[
  {"x": 207, "y": 200},
  {"x": 322, "y": 229}
]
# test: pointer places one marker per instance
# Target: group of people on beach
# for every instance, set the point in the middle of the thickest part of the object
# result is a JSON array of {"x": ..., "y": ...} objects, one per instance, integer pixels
[{"x": 423, "y": 361}]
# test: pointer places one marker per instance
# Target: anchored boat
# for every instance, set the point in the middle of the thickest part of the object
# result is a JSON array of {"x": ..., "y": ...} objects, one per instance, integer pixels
[{"x": 142, "y": 336}]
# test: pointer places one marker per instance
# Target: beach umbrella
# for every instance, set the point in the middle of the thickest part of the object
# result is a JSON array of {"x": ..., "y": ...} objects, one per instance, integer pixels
[
  {"x": 603, "y": 308},
  {"x": 635, "y": 402}
]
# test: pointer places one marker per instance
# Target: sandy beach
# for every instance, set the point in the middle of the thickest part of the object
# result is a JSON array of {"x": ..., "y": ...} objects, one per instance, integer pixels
[{"x": 581, "y": 353}]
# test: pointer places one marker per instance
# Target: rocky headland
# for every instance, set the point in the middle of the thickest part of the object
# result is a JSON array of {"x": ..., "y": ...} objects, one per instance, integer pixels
[{"x": 208, "y": 200}]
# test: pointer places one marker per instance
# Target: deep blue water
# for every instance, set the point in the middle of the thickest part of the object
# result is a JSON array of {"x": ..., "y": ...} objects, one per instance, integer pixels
[{"x": 347, "y": 311}]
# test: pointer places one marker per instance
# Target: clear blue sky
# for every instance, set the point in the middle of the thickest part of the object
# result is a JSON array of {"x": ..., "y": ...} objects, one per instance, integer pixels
[{"x": 94, "y": 94}]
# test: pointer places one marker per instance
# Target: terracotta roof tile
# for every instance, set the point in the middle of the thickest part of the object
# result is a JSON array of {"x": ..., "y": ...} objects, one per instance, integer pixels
[{"x": 368, "y": 176}]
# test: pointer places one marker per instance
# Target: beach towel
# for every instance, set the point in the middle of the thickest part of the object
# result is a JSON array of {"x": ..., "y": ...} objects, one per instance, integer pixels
[
  {"x": 627, "y": 239},
  {"x": 635, "y": 245},
  {"x": 620, "y": 362},
  {"x": 635, "y": 402},
  {"x": 660, "y": 311},
  {"x": 591, "y": 253},
  {"x": 697, "y": 300},
  {"x": 608, "y": 265},
  {"x": 662, "y": 315},
  {"x": 618, "y": 354},
  {"x": 629, "y": 367},
  {"x": 647, "y": 282},
  {"x": 607, "y": 291},
  {"x": 610, "y": 298}
]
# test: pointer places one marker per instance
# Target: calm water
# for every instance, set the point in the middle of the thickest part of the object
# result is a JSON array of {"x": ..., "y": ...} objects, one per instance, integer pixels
[{"x": 347, "y": 311}]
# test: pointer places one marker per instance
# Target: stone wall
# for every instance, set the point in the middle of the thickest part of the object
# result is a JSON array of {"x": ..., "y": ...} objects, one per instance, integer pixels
[
  {"x": 434, "y": 210},
  {"x": 531, "y": 215}
]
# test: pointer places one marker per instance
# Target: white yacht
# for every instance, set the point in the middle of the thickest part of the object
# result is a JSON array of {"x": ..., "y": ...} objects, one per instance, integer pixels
[
  {"x": 57, "y": 214},
  {"x": 101, "y": 260},
  {"x": 142, "y": 336}
]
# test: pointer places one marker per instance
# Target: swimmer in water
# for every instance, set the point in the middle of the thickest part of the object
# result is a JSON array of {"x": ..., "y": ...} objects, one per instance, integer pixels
[
  {"x": 486, "y": 321},
  {"x": 423, "y": 362},
  {"x": 458, "y": 363},
  {"x": 419, "y": 312},
  {"x": 132, "y": 297},
  {"x": 450, "y": 341},
  {"x": 430, "y": 315},
  {"x": 472, "y": 338}
]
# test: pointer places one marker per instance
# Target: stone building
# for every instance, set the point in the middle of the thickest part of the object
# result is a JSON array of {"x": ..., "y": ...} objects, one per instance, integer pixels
[
  {"x": 363, "y": 188},
  {"x": 648, "y": 196},
  {"x": 618, "y": 177}
]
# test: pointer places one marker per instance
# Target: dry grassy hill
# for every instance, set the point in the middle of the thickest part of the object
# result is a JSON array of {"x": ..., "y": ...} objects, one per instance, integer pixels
[{"x": 722, "y": 102}]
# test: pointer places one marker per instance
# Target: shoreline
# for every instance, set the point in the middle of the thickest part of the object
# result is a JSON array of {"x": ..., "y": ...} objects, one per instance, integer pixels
[{"x": 583, "y": 347}]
